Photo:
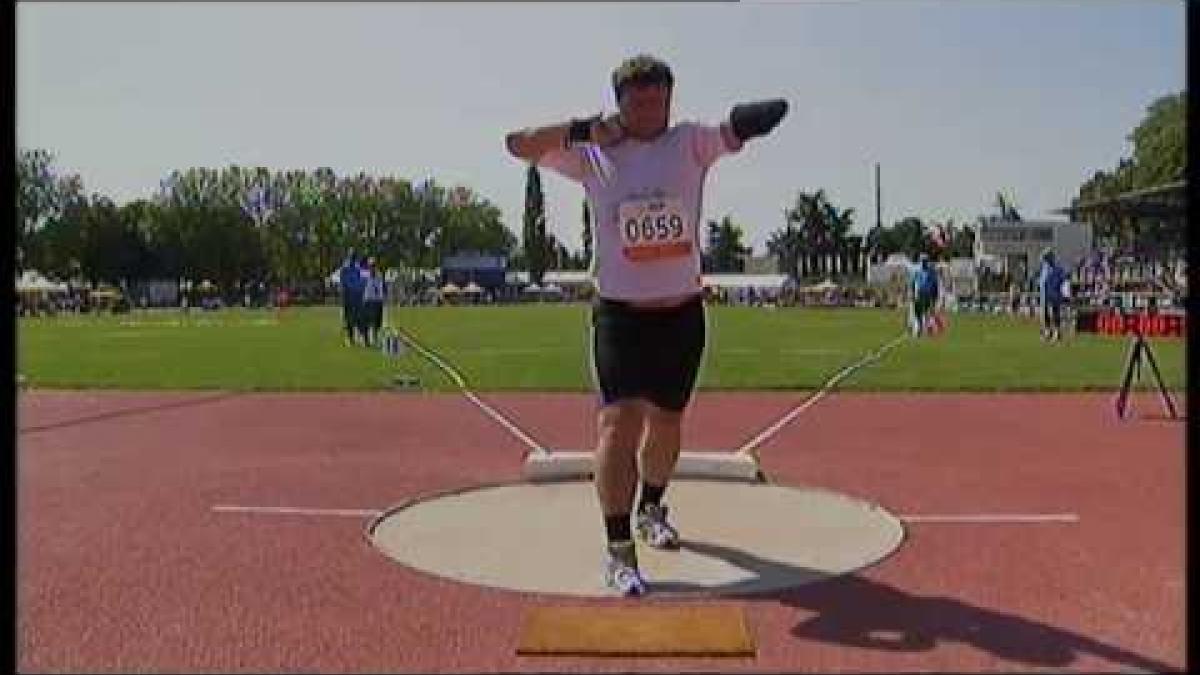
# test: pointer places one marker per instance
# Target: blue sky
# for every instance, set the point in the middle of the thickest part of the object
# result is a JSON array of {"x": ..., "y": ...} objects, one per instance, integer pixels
[{"x": 954, "y": 99}]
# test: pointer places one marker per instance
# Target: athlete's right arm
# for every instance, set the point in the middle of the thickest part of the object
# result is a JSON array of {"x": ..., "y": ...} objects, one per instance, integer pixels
[{"x": 531, "y": 144}]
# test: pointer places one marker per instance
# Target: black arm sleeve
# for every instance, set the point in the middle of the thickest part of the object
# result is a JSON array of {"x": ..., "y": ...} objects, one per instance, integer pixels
[
  {"x": 580, "y": 130},
  {"x": 756, "y": 119}
]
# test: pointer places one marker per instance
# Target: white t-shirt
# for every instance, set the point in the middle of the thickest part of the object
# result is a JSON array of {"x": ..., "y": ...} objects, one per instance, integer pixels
[
  {"x": 646, "y": 199},
  {"x": 373, "y": 291}
]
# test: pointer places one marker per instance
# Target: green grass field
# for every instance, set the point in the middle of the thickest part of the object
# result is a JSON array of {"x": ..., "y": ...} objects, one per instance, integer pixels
[{"x": 544, "y": 347}]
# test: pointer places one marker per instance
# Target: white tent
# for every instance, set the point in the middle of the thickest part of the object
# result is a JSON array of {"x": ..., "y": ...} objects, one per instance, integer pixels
[
  {"x": 450, "y": 289},
  {"x": 563, "y": 278},
  {"x": 532, "y": 288},
  {"x": 774, "y": 281},
  {"x": 33, "y": 281},
  {"x": 826, "y": 285},
  {"x": 473, "y": 288},
  {"x": 552, "y": 289},
  {"x": 894, "y": 270}
]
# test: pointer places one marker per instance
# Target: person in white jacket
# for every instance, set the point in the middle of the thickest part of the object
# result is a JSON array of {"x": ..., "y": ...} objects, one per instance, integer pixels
[{"x": 374, "y": 293}]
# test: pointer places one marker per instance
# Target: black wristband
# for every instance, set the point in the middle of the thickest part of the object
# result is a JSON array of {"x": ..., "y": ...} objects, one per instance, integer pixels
[
  {"x": 755, "y": 119},
  {"x": 580, "y": 131}
]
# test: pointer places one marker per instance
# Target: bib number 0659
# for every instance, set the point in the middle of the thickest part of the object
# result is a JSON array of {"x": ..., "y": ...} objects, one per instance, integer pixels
[{"x": 654, "y": 228}]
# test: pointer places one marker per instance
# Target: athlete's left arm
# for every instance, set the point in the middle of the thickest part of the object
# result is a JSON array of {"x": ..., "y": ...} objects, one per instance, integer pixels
[
  {"x": 731, "y": 140},
  {"x": 748, "y": 120}
]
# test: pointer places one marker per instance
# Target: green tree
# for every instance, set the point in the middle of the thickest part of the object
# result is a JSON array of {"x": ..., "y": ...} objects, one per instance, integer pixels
[
  {"x": 236, "y": 224},
  {"x": 912, "y": 237},
  {"x": 473, "y": 224},
  {"x": 111, "y": 248},
  {"x": 534, "y": 231},
  {"x": 556, "y": 254},
  {"x": 56, "y": 248},
  {"x": 853, "y": 254},
  {"x": 1159, "y": 157},
  {"x": 881, "y": 241},
  {"x": 840, "y": 243},
  {"x": 724, "y": 251},
  {"x": 821, "y": 230},
  {"x": 42, "y": 197},
  {"x": 961, "y": 241},
  {"x": 586, "y": 257},
  {"x": 1160, "y": 142},
  {"x": 785, "y": 245}
]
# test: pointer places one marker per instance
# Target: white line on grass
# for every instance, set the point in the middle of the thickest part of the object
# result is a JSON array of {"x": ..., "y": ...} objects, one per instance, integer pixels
[
  {"x": 750, "y": 351},
  {"x": 516, "y": 351},
  {"x": 295, "y": 511},
  {"x": 991, "y": 518},
  {"x": 792, "y": 414},
  {"x": 500, "y": 419}
]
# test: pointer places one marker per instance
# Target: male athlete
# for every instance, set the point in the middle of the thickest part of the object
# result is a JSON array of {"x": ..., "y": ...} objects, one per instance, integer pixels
[
  {"x": 924, "y": 294},
  {"x": 1050, "y": 284},
  {"x": 643, "y": 179}
]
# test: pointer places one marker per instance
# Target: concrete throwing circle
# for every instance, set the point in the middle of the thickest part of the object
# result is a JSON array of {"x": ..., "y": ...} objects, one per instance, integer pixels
[{"x": 549, "y": 537}]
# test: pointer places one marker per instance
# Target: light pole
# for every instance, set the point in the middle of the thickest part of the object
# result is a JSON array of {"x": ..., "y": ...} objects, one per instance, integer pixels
[{"x": 423, "y": 237}]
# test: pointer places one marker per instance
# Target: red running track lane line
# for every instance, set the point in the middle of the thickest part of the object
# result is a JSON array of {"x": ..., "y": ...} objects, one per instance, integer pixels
[{"x": 124, "y": 565}]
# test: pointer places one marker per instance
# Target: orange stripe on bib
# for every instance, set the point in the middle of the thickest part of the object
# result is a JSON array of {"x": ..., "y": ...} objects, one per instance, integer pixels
[{"x": 657, "y": 251}]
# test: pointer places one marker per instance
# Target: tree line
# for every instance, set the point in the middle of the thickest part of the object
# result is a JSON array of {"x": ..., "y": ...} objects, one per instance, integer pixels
[
  {"x": 1159, "y": 158},
  {"x": 238, "y": 224},
  {"x": 815, "y": 239}
]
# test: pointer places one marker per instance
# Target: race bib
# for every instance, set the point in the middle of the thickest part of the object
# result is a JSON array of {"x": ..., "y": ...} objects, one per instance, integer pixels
[{"x": 653, "y": 229}]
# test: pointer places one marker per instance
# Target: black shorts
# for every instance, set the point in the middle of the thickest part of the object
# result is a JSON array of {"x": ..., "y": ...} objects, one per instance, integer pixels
[
  {"x": 1052, "y": 313},
  {"x": 652, "y": 354},
  {"x": 350, "y": 311},
  {"x": 922, "y": 304}
]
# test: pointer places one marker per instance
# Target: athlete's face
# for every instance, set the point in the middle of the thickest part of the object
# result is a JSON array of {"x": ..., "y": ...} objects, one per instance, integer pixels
[{"x": 645, "y": 109}]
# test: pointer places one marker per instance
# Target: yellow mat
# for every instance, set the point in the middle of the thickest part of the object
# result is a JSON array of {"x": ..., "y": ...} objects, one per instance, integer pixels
[{"x": 636, "y": 631}]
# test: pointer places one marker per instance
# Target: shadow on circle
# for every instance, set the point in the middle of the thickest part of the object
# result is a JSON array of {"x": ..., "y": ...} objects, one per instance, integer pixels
[{"x": 547, "y": 538}]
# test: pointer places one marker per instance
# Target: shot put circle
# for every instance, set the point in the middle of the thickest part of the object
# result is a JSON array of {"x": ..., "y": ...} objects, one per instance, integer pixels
[{"x": 549, "y": 537}]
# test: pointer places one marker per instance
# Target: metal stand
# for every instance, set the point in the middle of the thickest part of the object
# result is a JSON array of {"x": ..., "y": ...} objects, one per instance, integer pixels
[
  {"x": 1138, "y": 350},
  {"x": 393, "y": 347}
]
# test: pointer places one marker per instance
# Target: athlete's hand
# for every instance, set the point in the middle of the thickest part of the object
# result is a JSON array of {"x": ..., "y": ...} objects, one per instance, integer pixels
[
  {"x": 748, "y": 120},
  {"x": 608, "y": 131}
]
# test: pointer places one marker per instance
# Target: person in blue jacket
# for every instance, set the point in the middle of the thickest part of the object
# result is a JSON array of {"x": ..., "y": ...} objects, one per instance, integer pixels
[
  {"x": 924, "y": 294},
  {"x": 1050, "y": 284},
  {"x": 352, "y": 283}
]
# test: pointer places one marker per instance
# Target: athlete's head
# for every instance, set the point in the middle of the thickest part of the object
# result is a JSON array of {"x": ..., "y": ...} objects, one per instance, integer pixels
[{"x": 642, "y": 86}]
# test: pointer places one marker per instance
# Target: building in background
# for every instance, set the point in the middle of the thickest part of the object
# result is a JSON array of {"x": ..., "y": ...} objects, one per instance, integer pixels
[
  {"x": 1018, "y": 244},
  {"x": 467, "y": 267},
  {"x": 761, "y": 264}
]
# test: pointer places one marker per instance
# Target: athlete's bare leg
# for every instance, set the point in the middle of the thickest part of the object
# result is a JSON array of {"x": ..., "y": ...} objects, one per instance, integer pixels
[
  {"x": 660, "y": 449},
  {"x": 616, "y": 473}
]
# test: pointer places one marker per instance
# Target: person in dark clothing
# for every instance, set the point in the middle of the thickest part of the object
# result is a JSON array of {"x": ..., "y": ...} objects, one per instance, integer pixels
[
  {"x": 924, "y": 294},
  {"x": 373, "y": 297},
  {"x": 350, "y": 278},
  {"x": 1050, "y": 283}
]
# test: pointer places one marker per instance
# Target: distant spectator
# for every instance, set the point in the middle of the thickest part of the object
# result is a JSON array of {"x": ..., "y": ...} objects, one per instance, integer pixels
[
  {"x": 373, "y": 296},
  {"x": 924, "y": 294},
  {"x": 351, "y": 281},
  {"x": 1050, "y": 283}
]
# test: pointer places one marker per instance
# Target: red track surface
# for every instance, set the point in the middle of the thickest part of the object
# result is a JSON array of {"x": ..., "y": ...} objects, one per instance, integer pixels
[{"x": 124, "y": 566}]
